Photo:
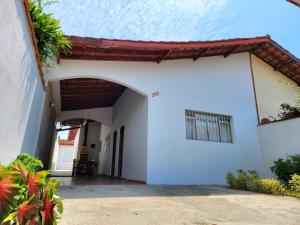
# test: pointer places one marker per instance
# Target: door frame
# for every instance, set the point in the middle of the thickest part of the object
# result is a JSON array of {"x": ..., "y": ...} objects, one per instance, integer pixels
[
  {"x": 121, "y": 148},
  {"x": 113, "y": 157}
]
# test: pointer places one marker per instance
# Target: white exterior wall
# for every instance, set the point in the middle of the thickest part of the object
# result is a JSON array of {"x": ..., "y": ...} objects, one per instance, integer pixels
[
  {"x": 21, "y": 92},
  {"x": 279, "y": 139},
  {"x": 93, "y": 137},
  {"x": 104, "y": 162},
  {"x": 101, "y": 115},
  {"x": 213, "y": 84},
  {"x": 46, "y": 130},
  {"x": 130, "y": 111},
  {"x": 66, "y": 154},
  {"x": 272, "y": 88},
  {"x": 63, "y": 155}
]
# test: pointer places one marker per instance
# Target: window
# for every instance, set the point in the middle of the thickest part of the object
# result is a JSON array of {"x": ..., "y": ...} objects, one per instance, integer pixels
[{"x": 208, "y": 127}]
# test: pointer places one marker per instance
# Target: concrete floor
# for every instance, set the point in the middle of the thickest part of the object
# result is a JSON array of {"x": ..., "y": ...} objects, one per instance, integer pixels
[{"x": 174, "y": 205}]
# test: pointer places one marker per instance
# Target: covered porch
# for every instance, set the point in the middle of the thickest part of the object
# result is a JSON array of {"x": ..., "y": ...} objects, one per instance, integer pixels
[{"x": 105, "y": 124}]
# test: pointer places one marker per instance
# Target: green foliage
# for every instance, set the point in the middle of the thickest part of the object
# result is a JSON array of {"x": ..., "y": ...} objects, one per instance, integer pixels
[
  {"x": 252, "y": 182},
  {"x": 28, "y": 197},
  {"x": 48, "y": 32},
  {"x": 266, "y": 185},
  {"x": 32, "y": 164},
  {"x": 285, "y": 168},
  {"x": 294, "y": 182}
]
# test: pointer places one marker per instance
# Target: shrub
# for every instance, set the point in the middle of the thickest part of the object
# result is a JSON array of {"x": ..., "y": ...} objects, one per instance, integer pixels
[
  {"x": 294, "y": 182},
  {"x": 28, "y": 197},
  {"x": 268, "y": 186},
  {"x": 285, "y": 168},
  {"x": 252, "y": 182},
  {"x": 231, "y": 180},
  {"x": 32, "y": 164},
  {"x": 241, "y": 181}
]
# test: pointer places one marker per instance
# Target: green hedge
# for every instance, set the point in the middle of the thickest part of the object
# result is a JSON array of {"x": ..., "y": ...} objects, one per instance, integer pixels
[
  {"x": 294, "y": 182},
  {"x": 251, "y": 181}
]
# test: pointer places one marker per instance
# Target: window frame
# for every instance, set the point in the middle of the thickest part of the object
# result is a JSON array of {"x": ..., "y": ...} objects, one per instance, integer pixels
[{"x": 230, "y": 117}]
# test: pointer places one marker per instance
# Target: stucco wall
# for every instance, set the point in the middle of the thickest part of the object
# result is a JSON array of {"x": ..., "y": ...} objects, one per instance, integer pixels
[
  {"x": 66, "y": 154},
  {"x": 101, "y": 115},
  {"x": 272, "y": 88},
  {"x": 212, "y": 84},
  {"x": 93, "y": 137},
  {"x": 46, "y": 130},
  {"x": 279, "y": 139},
  {"x": 130, "y": 111},
  {"x": 21, "y": 93},
  {"x": 104, "y": 162}
]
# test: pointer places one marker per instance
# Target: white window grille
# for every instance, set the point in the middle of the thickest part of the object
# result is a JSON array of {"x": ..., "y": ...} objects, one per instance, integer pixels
[{"x": 208, "y": 127}]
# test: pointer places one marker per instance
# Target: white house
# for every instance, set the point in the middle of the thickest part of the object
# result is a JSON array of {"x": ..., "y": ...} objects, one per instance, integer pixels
[{"x": 165, "y": 112}]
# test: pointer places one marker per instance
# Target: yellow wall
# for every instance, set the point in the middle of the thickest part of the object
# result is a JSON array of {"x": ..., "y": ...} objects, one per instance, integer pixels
[{"x": 270, "y": 91}]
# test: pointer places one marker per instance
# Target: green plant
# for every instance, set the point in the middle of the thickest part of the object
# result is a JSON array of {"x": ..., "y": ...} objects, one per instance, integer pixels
[
  {"x": 294, "y": 182},
  {"x": 284, "y": 168},
  {"x": 268, "y": 186},
  {"x": 251, "y": 181},
  {"x": 28, "y": 197},
  {"x": 241, "y": 181},
  {"x": 231, "y": 180},
  {"x": 50, "y": 37},
  {"x": 32, "y": 164}
]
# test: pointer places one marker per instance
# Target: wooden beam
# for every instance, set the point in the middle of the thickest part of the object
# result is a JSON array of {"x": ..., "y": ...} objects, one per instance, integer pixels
[
  {"x": 166, "y": 55},
  {"x": 232, "y": 50},
  {"x": 284, "y": 64},
  {"x": 200, "y": 54},
  {"x": 70, "y": 128}
]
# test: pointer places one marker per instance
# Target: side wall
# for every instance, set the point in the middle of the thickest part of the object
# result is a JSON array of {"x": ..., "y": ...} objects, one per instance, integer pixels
[
  {"x": 93, "y": 138},
  {"x": 277, "y": 140},
  {"x": 272, "y": 88},
  {"x": 130, "y": 111},
  {"x": 46, "y": 130},
  {"x": 21, "y": 92},
  {"x": 104, "y": 162}
]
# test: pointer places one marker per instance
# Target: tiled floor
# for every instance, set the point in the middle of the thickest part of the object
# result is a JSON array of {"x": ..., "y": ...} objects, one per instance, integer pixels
[{"x": 98, "y": 180}]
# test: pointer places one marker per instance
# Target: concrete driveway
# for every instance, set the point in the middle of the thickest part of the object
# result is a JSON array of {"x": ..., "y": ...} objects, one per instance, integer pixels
[{"x": 174, "y": 205}]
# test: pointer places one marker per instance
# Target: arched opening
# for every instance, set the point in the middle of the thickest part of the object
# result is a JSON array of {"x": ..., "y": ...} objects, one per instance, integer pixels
[{"x": 100, "y": 112}]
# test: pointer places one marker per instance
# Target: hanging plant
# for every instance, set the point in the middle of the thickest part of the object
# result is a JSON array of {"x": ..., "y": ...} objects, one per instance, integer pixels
[{"x": 50, "y": 37}]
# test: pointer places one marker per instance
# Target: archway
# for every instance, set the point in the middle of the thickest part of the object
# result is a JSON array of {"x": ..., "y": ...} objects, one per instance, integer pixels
[{"x": 113, "y": 107}]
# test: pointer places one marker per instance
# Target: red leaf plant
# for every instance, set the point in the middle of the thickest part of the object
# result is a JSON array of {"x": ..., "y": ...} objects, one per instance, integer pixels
[{"x": 28, "y": 198}]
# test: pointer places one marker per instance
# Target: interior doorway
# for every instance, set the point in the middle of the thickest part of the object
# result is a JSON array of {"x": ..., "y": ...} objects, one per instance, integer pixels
[
  {"x": 114, "y": 154},
  {"x": 120, "y": 158}
]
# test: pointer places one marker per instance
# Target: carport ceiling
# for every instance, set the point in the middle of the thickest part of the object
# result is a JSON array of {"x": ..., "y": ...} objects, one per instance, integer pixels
[{"x": 85, "y": 93}]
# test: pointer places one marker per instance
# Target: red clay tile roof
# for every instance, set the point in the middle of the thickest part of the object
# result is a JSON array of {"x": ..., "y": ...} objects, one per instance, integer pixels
[
  {"x": 66, "y": 142},
  {"x": 296, "y": 2},
  {"x": 265, "y": 48}
]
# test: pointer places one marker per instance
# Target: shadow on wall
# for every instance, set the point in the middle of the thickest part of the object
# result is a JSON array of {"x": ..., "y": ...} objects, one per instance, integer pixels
[{"x": 29, "y": 117}]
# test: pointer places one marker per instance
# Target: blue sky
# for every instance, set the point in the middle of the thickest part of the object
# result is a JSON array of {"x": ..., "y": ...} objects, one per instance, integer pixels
[{"x": 181, "y": 20}]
